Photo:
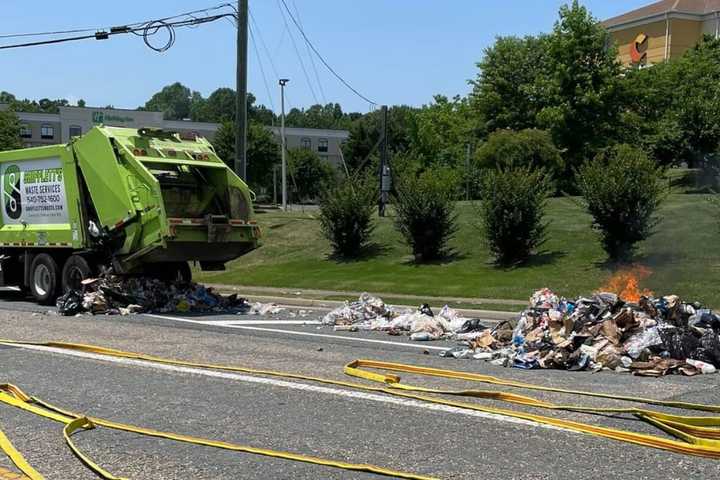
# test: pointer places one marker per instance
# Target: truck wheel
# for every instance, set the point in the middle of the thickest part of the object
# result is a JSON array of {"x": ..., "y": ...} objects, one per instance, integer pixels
[
  {"x": 75, "y": 270},
  {"x": 44, "y": 278}
]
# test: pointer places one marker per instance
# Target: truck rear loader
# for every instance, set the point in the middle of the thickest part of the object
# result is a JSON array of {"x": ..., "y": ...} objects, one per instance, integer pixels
[{"x": 137, "y": 201}]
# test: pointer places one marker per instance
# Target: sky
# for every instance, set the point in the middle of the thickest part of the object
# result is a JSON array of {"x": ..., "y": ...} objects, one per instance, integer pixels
[{"x": 391, "y": 51}]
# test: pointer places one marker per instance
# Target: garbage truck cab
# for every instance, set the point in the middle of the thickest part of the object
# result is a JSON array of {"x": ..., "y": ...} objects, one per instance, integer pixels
[{"x": 131, "y": 200}]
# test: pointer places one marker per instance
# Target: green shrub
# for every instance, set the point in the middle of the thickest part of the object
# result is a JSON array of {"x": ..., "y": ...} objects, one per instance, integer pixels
[
  {"x": 425, "y": 208},
  {"x": 512, "y": 206},
  {"x": 622, "y": 188},
  {"x": 310, "y": 174},
  {"x": 346, "y": 216},
  {"x": 525, "y": 148}
]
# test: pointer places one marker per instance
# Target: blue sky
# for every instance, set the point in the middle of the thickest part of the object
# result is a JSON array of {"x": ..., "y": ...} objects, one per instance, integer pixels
[{"x": 392, "y": 51}]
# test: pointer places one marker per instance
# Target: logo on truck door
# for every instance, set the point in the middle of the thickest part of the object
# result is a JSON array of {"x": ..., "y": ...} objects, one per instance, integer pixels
[
  {"x": 34, "y": 192},
  {"x": 12, "y": 197}
]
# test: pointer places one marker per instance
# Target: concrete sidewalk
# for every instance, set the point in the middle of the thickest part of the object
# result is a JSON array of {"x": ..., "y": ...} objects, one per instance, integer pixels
[{"x": 317, "y": 299}]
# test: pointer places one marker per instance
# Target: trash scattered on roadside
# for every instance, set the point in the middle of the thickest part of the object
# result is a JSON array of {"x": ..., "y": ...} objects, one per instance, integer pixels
[
  {"x": 371, "y": 313},
  {"x": 117, "y": 295},
  {"x": 648, "y": 337},
  {"x": 265, "y": 309}
]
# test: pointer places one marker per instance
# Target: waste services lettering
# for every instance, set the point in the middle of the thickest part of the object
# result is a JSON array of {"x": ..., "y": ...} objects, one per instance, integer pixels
[{"x": 34, "y": 192}]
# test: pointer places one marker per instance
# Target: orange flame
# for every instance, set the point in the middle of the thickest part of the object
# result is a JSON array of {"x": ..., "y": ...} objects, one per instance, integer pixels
[{"x": 626, "y": 283}]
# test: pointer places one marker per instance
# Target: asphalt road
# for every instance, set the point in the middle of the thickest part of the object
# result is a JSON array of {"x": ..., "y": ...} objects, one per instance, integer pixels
[{"x": 298, "y": 416}]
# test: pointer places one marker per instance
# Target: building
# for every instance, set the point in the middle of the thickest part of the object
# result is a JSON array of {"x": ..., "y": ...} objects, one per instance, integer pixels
[
  {"x": 39, "y": 129},
  {"x": 663, "y": 30}
]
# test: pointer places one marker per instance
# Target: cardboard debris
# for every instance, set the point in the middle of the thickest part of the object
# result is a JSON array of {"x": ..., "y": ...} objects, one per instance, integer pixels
[{"x": 652, "y": 337}]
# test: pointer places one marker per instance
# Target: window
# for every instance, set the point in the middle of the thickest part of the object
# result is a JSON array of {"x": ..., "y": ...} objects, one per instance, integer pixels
[
  {"x": 47, "y": 132},
  {"x": 305, "y": 143},
  {"x": 323, "y": 145},
  {"x": 25, "y": 131},
  {"x": 75, "y": 130}
]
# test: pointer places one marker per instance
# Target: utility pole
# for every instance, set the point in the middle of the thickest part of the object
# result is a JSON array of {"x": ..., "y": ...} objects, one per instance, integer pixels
[
  {"x": 384, "y": 169},
  {"x": 241, "y": 98},
  {"x": 283, "y": 82}
]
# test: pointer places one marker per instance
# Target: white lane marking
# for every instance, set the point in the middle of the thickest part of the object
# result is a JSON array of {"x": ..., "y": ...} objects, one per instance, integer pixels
[
  {"x": 227, "y": 323},
  {"x": 307, "y": 334},
  {"x": 405, "y": 402}
]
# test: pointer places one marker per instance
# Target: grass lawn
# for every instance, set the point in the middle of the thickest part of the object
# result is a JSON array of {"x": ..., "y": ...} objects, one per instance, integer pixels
[{"x": 683, "y": 256}]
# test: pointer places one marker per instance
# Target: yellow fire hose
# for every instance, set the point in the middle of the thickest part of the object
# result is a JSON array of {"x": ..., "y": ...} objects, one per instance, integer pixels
[{"x": 695, "y": 435}]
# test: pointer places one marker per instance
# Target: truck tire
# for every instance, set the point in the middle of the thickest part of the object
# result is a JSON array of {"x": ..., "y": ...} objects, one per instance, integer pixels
[
  {"x": 44, "y": 278},
  {"x": 75, "y": 270}
]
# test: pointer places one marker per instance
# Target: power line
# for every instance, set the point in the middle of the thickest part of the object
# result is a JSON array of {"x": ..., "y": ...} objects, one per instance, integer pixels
[
  {"x": 310, "y": 55},
  {"x": 267, "y": 53},
  {"x": 337, "y": 75},
  {"x": 262, "y": 69},
  {"x": 95, "y": 29},
  {"x": 145, "y": 30},
  {"x": 297, "y": 52}
]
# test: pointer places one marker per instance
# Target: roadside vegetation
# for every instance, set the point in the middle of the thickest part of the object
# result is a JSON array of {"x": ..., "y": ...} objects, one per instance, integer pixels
[{"x": 571, "y": 261}]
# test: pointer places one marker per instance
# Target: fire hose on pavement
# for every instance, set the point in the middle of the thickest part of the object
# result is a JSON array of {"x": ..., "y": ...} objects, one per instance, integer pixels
[{"x": 694, "y": 435}]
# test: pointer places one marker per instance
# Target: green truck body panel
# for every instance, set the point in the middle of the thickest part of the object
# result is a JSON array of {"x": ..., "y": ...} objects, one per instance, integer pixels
[{"x": 147, "y": 196}]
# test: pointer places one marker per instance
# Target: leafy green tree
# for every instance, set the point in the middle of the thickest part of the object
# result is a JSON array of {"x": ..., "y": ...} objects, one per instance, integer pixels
[
  {"x": 512, "y": 209},
  {"x": 527, "y": 148},
  {"x": 310, "y": 175},
  {"x": 81, "y": 103},
  {"x": 567, "y": 82},
  {"x": 346, "y": 215},
  {"x": 622, "y": 189},
  {"x": 509, "y": 89},
  {"x": 425, "y": 208},
  {"x": 9, "y": 131},
  {"x": 583, "y": 91},
  {"x": 173, "y": 100},
  {"x": 365, "y": 133},
  {"x": 442, "y": 131},
  {"x": 263, "y": 152}
]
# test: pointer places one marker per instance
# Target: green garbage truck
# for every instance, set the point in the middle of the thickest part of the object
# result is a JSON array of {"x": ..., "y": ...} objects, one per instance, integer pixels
[{"x": 136, "y": 201}]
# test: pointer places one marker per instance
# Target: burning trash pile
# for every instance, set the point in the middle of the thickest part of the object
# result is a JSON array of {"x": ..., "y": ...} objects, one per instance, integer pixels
[
  {"x": 650, "y": 336},
  {"x": 371, "y": 313},
  {"x": 116, "y": 295}
]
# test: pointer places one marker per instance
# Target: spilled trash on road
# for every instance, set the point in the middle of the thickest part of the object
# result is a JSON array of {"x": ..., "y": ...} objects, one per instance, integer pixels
[{"x": 117, "y": 295}]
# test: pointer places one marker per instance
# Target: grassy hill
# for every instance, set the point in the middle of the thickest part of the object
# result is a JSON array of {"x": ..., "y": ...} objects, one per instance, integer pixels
[{"x": 683, "y": 255}]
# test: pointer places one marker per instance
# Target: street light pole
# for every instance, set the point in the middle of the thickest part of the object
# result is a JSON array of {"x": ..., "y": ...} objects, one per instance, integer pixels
[{"x": 283, "y": 82}]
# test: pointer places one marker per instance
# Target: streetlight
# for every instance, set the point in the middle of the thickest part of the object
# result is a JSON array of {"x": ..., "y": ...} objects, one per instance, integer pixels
[{"x": 283, "y": 82}]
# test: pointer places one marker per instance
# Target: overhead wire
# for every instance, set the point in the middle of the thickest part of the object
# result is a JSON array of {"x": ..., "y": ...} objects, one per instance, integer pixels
[
  {"x": 262, "y": 69},
  {"x": 145, "y": 29},
  {"x": 312, "y": 61},
  {"x": 297, "y": 53},
  {"x": 322, "y": 59},
  {"x": 265, "y": 48},
  {"x": 132, "y": 24}
]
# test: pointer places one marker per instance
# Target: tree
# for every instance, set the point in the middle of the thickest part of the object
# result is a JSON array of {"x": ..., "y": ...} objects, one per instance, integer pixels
[
  {"x": 81, "y": 103},
  {"x": 310, "y": 175},
  {"x": 670, "y": 108},
  {"x": 425, "y": 207},
  {"x": 442, "y": 130},
  {"x": 567, "y": 82},
  {"x": 622, "y": 189},
  {"x": 346, "y": 215},
  {"x": 508, "y": 91},
  {"x": 513, "y": 206},
  {"x": 9, "y": 131},
  {"x": 173, "y": 100},
  {"x": 583, "y": 92},
  {"x": 365, "y": 134},
  {"x": 262, "y": 152},
  {"x": 527, "y": 148}
]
